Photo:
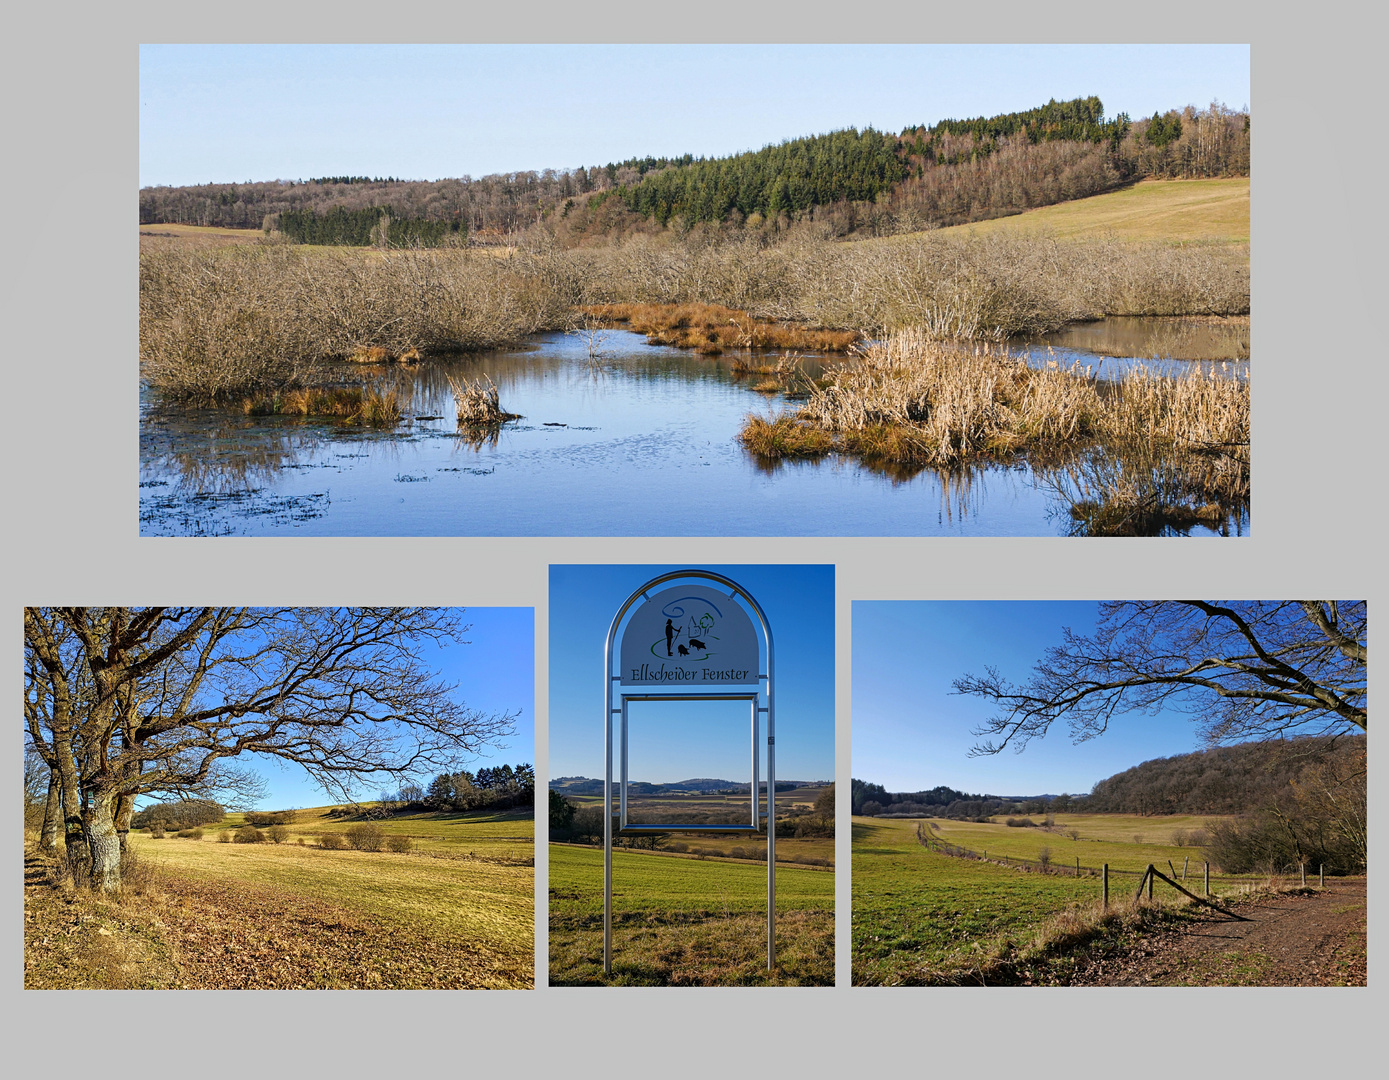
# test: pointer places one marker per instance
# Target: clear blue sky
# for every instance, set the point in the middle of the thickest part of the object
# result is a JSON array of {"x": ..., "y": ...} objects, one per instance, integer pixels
[
  {"x": 263, "y": 112},
  {"x": 911, "y": 731},
  {"x": 799, "y": 604},
  {"x": 495, "y": 672}
]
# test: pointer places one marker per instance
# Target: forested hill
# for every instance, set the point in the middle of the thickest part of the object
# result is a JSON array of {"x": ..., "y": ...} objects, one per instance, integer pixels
[
  {"x": 852, "y": 181},
  {"x": 1224, "y": 780}
]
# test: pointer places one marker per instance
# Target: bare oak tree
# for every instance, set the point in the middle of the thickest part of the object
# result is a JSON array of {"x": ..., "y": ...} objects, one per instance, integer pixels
[
  {"x": 162, "y": 700},
  {"x": 1246, "y": 670}
]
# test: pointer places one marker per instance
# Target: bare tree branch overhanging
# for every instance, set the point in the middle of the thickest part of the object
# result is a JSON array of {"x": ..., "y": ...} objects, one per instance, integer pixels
[
  {"x": 1245, "y": 669},
  {"x": 134, "y": 701}
]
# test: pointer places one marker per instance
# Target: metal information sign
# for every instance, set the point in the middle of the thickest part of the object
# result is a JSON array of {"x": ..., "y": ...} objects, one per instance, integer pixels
[{"x": 692, "y": 642}]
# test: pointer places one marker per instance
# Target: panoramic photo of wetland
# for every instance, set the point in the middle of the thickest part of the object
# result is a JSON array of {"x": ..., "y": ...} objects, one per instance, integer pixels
[{"x": 1032, "y": 323}]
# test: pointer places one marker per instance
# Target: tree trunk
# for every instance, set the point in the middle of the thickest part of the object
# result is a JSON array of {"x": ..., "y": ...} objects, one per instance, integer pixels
[
  {"x": 99, "y": 827},
  {"x": 74, "y": 839},
  {"x": 125, "y": 810},
  {"x": 52, "y": 815}
]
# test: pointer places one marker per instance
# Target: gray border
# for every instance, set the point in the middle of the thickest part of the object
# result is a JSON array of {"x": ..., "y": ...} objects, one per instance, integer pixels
[{"x": 1317, "y": 259}]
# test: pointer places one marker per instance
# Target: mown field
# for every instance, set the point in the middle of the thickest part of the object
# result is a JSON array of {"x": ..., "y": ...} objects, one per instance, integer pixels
[
  {"x": 681, "y": 921},
  {"x": 1125, "y": 841},
  {"x": 455, "y": 912},
  {"x": 923, "y": 917},
  {"x": 1175, "y": 211}
]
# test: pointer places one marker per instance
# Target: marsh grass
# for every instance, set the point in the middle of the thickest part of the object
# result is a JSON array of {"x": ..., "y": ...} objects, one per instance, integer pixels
[
  {"x": 369, "y": 405},
  {"x": 478, "y": 403},
  {"x": 711, "y": 329},
  {"x": 221, "y": 324},
  {"x": 1140, "y": 456}
]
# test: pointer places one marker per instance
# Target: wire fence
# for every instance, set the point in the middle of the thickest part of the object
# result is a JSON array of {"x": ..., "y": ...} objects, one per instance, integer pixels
[{"x": 1061, "y": 866}]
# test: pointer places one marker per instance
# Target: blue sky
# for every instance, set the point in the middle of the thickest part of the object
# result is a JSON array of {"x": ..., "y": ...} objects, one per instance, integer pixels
[
  {"x": 799, "y": 604},
  {"x": 229, "y": 113},
  {"x": 495, "y": 672},
  {"x": 912, "y": 732}
]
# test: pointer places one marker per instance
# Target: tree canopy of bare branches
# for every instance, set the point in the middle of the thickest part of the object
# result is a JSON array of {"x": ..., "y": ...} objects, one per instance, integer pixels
[
  {"x": 123, "y": 702},
  {"x": 1246, "y": 670}
]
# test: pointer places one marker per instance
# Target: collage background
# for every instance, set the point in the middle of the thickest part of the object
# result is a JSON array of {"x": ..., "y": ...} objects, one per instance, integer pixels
[{"x": 1316, "y": 527}]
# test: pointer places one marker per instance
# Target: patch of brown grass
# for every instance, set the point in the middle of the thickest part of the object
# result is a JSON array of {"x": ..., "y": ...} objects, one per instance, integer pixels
[
  {"x": 712, "y": 328},
  {"x": 696, "y": 948},
  {"x": 478, "y": 403},
  {"x": 370, "y": 405}
]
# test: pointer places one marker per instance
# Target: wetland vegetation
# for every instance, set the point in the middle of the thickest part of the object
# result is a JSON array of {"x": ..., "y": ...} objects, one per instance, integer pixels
[{"x": 276, "y": 328}]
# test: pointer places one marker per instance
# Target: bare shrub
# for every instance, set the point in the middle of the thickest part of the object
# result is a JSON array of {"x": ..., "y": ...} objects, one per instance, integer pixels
[
  {"x": 365, "y": 836},
  {"x": 157, "y": 831},
  {"x": 1044, "y": 857},
  {"x": 400, "y": 844},
  {"x": 277, "y": 833},
  {"x": 139, "y": 876},
  {"x": 224, "y": 837},
  {"x": 1019, "y": 823},
  {"x": 1073, "y": 833},
  {"x": 248, "y": 834},
  {"x": 1181, "y": 837},
  {"x": 331, "y": 841},
  {"x": 190, "y": 834}
]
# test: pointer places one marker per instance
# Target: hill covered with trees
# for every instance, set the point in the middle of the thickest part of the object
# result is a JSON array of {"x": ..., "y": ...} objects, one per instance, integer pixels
[{"x": 854, "y": 182}]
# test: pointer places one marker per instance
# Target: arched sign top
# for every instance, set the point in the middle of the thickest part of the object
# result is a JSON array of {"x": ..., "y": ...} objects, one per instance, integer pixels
[{"x": 689, "y": 636}]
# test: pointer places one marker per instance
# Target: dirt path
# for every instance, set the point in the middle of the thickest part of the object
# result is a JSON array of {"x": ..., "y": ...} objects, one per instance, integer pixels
[{"x": 1301, "y": 939}]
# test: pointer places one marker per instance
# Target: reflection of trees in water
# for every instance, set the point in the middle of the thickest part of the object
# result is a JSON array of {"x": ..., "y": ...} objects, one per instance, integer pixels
[
  {"x": 229, "y": 464},
  {"x": 1176, "y": 339},
  {"x": 1147, "y": 492}
]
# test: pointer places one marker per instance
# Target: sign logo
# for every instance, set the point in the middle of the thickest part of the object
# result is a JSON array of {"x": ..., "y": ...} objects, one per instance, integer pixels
[{"x": 689, "y": 636}]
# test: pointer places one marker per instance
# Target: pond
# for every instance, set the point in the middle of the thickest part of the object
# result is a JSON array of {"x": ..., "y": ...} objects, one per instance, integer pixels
[{"x": 640, "y": 443}]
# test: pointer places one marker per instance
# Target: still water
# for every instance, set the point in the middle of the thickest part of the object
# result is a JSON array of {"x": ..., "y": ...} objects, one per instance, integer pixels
[{"x": 641, "y": 443}]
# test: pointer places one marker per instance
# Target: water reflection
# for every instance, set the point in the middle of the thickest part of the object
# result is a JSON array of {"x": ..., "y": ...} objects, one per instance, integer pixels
[{"x": 640, "y": 442}]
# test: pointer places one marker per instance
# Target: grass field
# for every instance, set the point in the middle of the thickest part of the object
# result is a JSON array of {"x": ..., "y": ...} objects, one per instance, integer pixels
[
  {"x": 455, "y": 912},
  {"x": 680, "y": 921},
  {"x": 922, "y": 917},
  {"x": 1175, "y": 211},
  {"x": 1124, "y": 841}
]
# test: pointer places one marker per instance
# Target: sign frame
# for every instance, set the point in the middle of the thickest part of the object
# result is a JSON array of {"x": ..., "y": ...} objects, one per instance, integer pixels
[
  {"x": 752, "y": 698},
  {"x": 766, "y": 678}
]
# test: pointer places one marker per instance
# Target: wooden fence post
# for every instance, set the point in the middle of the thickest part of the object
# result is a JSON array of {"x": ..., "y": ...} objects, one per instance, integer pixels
[
  {"x": 1150, "y": 881},
  {"x": 1303, "y": 868},
  {"x": 1208, "y": 879},
  {"x": 1104, "y": 886},
  {"x": 1185, "y": 863},
  {"x": 1323, "y": 875},
  {"x": 1077, "y": 866}
]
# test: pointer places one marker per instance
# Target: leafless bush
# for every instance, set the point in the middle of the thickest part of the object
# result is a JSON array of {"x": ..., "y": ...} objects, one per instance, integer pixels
[
  {"x": 248, "y": 834},
  {"x": 1181, "y": 837},
  {"x": 277, "y": 833},
  {"x": 331, "y": 841},
  {"x": 365, "y": 836},
  {"x": 190, "y": 834},
  {"x": 224, "y": 837},
  {"x": 139, "y": 876},
  {"x": 400, "y": 844},
  {"x": 1044, "y": 857}
]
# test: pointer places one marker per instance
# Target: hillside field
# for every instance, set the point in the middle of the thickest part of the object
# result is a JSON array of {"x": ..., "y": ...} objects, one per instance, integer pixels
[
  {"x": 682, "y": 921},
  {"x": 1175, "y": 211},
  {"x": 457, "y": 911}
]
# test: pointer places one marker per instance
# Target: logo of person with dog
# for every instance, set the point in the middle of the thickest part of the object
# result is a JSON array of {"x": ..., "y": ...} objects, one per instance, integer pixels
[{"x": 695, "y": 629}]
